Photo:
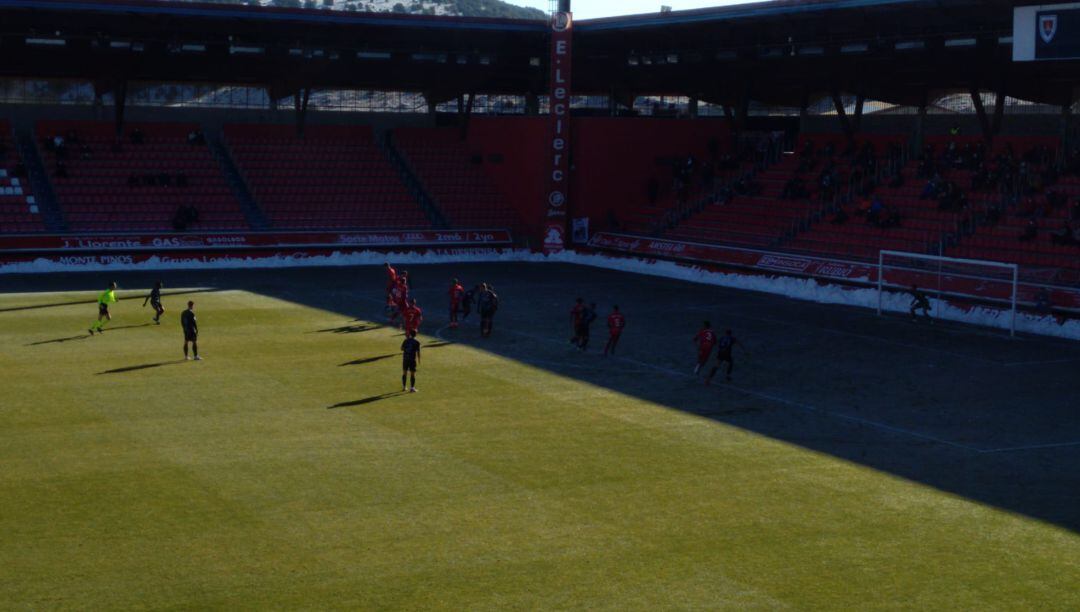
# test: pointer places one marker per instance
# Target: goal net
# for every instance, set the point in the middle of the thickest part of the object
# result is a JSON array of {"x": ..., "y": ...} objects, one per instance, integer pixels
[{"x": 950, "y": 283}]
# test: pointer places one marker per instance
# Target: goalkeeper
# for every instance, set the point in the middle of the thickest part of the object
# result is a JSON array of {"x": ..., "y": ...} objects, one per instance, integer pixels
[
  {"x": 107, "y": 297},
  {"x": 919, "y": 301}
]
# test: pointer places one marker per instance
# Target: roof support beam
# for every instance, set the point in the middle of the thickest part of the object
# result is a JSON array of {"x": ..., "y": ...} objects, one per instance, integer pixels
[
  {"x": 980, "y": 111},
  {"x": 841, "y": 114},
  {"x": 300, "y": 102},
  {"x": 119, "y": 105}
]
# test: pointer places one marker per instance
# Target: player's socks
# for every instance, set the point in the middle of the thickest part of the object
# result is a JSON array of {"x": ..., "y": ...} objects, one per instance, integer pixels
[
  {"x": 197, "y": 358},
  {"x": 403, "y": 386}
]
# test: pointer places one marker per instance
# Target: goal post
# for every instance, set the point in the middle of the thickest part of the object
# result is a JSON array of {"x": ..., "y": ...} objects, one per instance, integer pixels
[{"x": 991, "y": 284}]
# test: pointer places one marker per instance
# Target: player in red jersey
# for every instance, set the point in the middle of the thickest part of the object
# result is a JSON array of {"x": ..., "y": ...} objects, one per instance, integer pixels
[
  {"x": 575, "y": 320},
  {"x": 399, "y": 295},
  {"x": 724, "y": 355},
  {"x": 391, "y": 281},
  {"x": 413, "y": 317},
  {"x": 616, "y": 323},
  {"x": 457, "y": 294},
  {"x": 705, "y": 340}
]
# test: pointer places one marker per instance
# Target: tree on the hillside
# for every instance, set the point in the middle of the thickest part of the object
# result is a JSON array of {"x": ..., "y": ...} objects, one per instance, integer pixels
[{"x": 399, "y": 8}]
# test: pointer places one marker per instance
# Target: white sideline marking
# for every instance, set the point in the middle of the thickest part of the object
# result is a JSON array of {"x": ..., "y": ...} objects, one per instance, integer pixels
[{"x": 1010, "y": 449}]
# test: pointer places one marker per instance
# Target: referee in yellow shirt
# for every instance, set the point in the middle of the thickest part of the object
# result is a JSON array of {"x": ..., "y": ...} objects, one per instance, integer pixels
[{"x": 107, "y": 297}]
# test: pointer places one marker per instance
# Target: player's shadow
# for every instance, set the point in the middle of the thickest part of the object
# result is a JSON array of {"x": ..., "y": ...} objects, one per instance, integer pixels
[
  {"x": 144, "y": 366},
  {"x": 347, "y": 329},
  {"x": 366, "y": 360},
  {"x": 59, "y": 340},
  {"x": 366, "y": 400},
  {"x": 164, "y": 294}
]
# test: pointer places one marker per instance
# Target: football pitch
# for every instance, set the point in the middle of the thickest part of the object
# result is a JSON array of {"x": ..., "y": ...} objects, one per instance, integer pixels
[{"x": 853, "y": 463}]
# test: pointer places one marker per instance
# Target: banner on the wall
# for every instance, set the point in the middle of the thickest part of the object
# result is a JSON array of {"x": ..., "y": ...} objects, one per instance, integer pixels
[{"x": 559, "y": 97}]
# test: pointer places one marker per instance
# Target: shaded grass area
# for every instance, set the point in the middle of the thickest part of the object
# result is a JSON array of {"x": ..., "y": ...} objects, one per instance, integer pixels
[{"x": 502, "y": 484}]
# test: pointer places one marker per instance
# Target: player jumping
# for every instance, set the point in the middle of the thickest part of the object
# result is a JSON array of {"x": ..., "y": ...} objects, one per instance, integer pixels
[
  {"x": 457, "y": 294},
  {"x": 155, "y": 301},
  {"x": 191, "y": 331},
  {"x": 391, "y": 281},
  {"x": 705, "y": 340},
  {"x": 919, "y": 301},
  {"x": 107, "y": 297},
  {"x": 616, "y": 323},
  {"x": 399, "y": 295},
  {"x": 410, "y": 360},
  {"x": 724, "y": 355}
]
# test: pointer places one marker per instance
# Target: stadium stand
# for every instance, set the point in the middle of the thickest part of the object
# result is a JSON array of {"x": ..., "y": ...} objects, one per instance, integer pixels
[
  {"x": 18, "y": 209},
  {"x": 456, "y": 178},
  {"x": 335, "y": 177},
  {"x": 138, "y": 182}
]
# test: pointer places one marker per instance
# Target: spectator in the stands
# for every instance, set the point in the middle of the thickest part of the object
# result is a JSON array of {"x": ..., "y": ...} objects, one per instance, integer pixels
[
  {"x": 876, "y": 213},
  {"x": 164, "y": 179},
  {"x": 993, "y": 215},
  {"x": 841, "y": 216},
  {"x": 137, "y": 136},
  {"x": 1044, "y": 303},
  {"x": 61, "y": 169},
  {"x": 931, "y": 188},
  {"x": 72, "y": 137},
  {"x": 58, "y": 141},
  {"x": 653, "y": 190},
  {"x": 1031, "y": 231},
  {"x": 196, "y": 137},
  {"x": 1075, "y": 213},
  {"x": 20, "y": 169},
  {"x": 1063, "y": 236},
  {"x": 185, "y": 216},
  {"x": 85, "y": 152}
]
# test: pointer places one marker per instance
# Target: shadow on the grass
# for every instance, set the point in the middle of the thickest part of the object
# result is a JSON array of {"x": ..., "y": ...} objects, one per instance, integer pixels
[
  {"x": 144, "y": 366},
  {"x": 347, "y": 329},
  {"x": 366, "y": 360},
  {"x": 366, "y": 400},
  {"x": 59, "y": 340},
  {"x": 164, "y": 294}
]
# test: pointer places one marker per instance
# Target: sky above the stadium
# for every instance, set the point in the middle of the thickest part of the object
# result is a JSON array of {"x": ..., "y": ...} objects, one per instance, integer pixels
[{"x": 591, "y": 9}]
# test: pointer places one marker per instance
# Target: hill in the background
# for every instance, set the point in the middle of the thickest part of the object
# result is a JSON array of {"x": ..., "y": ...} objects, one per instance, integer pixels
[{"x": 467, "y": 8}]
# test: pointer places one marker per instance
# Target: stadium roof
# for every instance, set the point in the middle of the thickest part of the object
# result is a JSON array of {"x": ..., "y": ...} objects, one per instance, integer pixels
[{"x": 779, "y": 52}]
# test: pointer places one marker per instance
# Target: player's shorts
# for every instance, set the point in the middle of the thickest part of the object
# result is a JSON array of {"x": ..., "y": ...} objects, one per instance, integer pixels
[
  {"x": 155, "y": 303},
  {"x": 615, "y": 333},
  {"x": 487, "y": 313},
  {"x": 191, "y": 336},
  {"x": 721, "y": 357},
  {"x": 703, "y": 354},
  {"x": 583, "y": 331},
  {"x": 102, "y": 309},
  {"x": 409, "y": 365},
  {"x": 455, "y": 306}
]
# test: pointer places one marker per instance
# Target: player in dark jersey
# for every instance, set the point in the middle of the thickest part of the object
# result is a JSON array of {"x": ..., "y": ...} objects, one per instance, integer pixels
[
  {"x": 919, "y": 301},
  {"x": 467, "y": 300},
  {"x": 587, "y": 317},
  {"x": 616, "y": 323},
  {"x": 456, "y": 293},
  {"x": 488, "y": 304},
  {"x": 705, "y": 340},
  {"x": 155, "y": 301},
  {"x": 575, "y": 321},
  {"x": 410, "y": 361},
  {"x": 724, "y": 349},
  {"x": 191, "y": 331}
]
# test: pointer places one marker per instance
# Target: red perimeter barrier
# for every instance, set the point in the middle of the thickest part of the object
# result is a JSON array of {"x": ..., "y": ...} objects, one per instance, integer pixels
[
  {"x": 130, "y": 248},
  {"x": 829, "y": 270}
]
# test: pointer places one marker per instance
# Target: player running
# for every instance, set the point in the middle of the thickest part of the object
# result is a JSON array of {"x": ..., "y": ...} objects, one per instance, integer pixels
[
  {"x": 412, "y": 317},
  {"x": 155, "y": 301},
  {"x": 724, "y": 355},
  {"x": 575, "y": 321},
  {"x": 488, "y": 304},
  {"x": 919, "y": 301},
  {"x": 705, "y": 340},
  {"x": 457, "y": 294},
  {"x": 587, "y": 317},
  {"x": 191, "y": 331},
  {"x": 107, "y": 297},
  {"x": 616, "y": 323},
  {"x": 410, "y": 360}
]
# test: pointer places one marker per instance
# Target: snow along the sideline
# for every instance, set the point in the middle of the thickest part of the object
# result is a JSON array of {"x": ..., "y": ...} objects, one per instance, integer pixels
[{"x": 796, "y": 288}]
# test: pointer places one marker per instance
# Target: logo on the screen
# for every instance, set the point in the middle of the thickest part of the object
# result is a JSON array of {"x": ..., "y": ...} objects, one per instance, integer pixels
[
  {"x": 1048, "y": 27},
  {"x": 560, "y": 22}
]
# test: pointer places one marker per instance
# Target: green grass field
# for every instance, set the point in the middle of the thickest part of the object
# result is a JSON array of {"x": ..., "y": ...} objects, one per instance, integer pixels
[{"x": 277, "y": 473}]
